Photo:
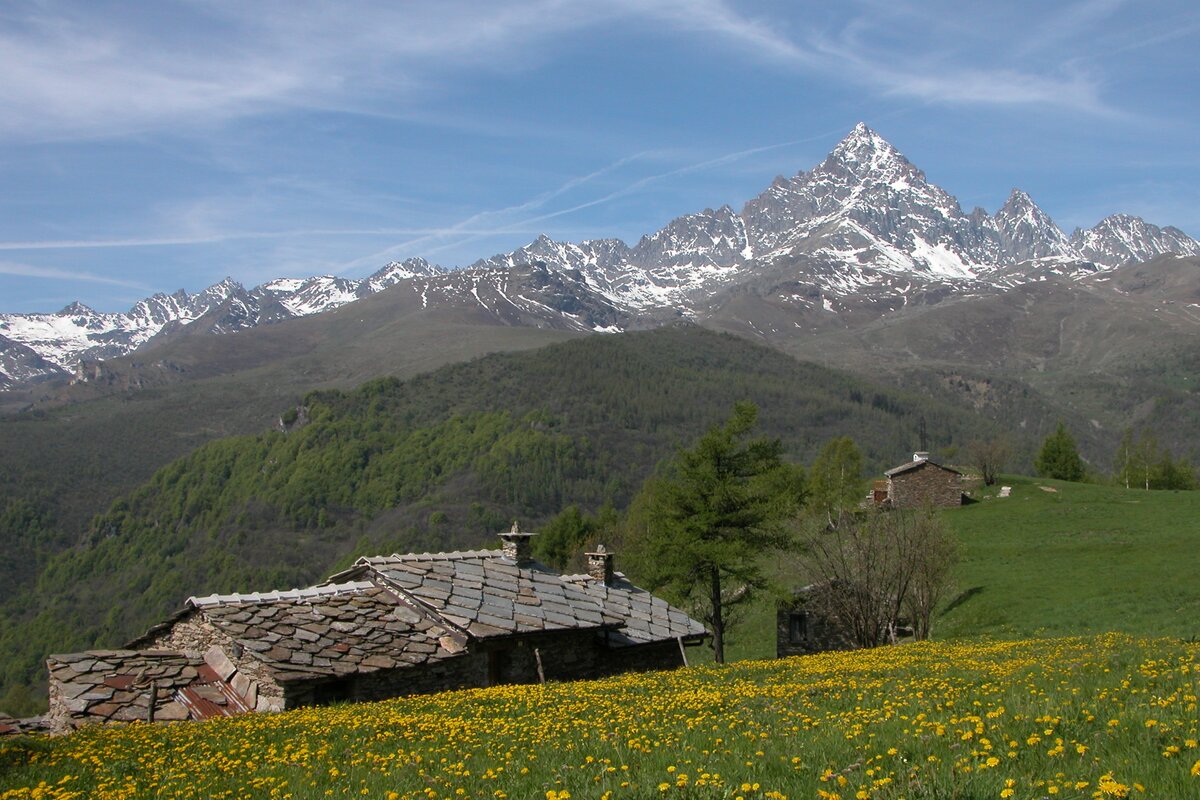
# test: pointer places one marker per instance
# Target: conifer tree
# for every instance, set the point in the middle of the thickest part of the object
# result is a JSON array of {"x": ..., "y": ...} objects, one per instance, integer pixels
[
  {"x": 1059, "y": 457},
  {"x": 699, "y": 531}
]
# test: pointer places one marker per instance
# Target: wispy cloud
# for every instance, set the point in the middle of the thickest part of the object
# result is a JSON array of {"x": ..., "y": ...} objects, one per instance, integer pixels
[
  {"x": 635, "y": 186},
  {"x": 927, "y": 62},
  {"x": 214, "y": 238},
  {"x": 1066, "y": 23},
  {"x": 475, "y": 226},
  {"x": 50, "y": 273},
  {"x": 80, "y": 70}
]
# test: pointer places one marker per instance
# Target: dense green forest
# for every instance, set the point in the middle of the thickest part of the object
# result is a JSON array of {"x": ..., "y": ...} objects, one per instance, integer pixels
[{"x": 440, "y": 461}]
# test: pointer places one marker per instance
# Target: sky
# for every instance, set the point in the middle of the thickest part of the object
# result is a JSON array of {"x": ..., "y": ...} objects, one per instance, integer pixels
[{"x": 152, "y": 146}]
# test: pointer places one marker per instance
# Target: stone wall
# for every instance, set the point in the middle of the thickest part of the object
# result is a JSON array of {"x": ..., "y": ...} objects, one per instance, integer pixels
[
  {"x": 801, "y": 629},
  {"x": 928, "y": 484},
  {"x": 249, "y": 677},
  {"x": 117, "y": 686}
]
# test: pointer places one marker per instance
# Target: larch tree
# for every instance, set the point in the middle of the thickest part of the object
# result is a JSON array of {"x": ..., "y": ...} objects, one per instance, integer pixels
[{"x": 699, "y": 530}]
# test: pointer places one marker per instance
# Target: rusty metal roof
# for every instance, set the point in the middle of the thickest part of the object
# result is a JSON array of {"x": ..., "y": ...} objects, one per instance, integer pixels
[{"x": 208, "y": 700}]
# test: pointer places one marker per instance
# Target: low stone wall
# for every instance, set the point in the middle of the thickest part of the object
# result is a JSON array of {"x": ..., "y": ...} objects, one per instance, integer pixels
[{"x": 117, "y": 686}]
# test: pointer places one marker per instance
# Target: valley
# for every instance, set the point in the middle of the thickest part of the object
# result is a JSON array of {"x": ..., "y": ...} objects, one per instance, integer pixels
[{"x": 861, "y": 300}]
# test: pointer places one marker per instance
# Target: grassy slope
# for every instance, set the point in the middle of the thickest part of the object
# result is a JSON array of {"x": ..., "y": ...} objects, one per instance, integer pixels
[
  {"x": 1083, "y": 559},
  {"x": 1068, "y": 718},
  {"x": 226, "y": 517}
]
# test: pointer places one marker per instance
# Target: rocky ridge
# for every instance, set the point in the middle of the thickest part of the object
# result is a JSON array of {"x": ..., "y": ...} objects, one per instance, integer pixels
[{"x": 864, "y": 228}]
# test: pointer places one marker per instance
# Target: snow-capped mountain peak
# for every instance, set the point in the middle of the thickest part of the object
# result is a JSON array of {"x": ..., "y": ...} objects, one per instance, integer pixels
[
  {"x": 864, "y": 222},
  {"x": 1027, "y": 232},
  {"x": 75, "y": 309},
  {"x": 866, "y": 155},
  {"x": 395, "y": 271},
  {"x": 1124, "y": 239}
]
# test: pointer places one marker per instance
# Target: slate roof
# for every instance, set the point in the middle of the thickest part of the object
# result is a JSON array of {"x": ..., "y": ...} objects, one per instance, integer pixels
[
  {"x": 330, "y": 634},
  {"x": 11, "y": 726},
  {"x": 486, "y": 595},
  {"x": 915, "y": 464},
  {"x": 114, "y": 685},
  {"x": 646, "y": 618},
  {"x": 311, "y": 593}
]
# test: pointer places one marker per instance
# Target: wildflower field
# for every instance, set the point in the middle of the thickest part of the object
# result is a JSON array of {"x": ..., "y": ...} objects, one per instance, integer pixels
[{"x": 1098, "y": 717}]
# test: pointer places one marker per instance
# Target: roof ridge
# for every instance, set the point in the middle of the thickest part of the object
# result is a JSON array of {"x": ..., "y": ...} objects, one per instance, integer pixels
[
  {"x": 581, "y": 576},
  {"x": 441, "y": 556},
  {"x": 325, "y": 590}
]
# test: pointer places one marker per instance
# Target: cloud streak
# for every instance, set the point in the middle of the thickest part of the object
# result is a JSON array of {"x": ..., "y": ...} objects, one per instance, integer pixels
[
  {"x": 51, "y": 273},
  {"x": 74, "y": 70},
  {"x": 216, "y": 238}
]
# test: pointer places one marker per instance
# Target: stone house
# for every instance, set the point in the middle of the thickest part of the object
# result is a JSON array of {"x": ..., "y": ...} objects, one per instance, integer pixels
[
  {"x": 918, "y": 483},
  {"x": 805, "y": 624},
  {"x": 388, "y": 626}
]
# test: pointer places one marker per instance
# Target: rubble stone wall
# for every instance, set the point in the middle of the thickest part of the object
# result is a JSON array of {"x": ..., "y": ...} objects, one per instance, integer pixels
[
  {"x": 194, "y": 635},
  {"x": 818, "y": 632},
  {"x": 926, "y": 485}
]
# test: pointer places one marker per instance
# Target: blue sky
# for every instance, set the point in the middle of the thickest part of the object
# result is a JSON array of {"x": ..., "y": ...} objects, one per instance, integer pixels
[{"x": 151, "y": 146}]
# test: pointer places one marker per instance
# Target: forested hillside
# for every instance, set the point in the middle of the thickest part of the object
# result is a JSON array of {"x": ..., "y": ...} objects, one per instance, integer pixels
[{"x": 440, "y": 461}]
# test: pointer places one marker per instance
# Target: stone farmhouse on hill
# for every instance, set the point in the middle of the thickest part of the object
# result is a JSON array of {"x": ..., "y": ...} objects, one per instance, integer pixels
[
  {"x": 918, "y": 483},
  {"x": 388, "y": 626}
]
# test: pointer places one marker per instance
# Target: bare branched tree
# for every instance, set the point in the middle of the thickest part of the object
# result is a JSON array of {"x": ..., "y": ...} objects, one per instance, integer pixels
[
  {"x": 991, "y": 456},
  {"x": 875, "y": 565},
  {"x": 933, "y": 570}
]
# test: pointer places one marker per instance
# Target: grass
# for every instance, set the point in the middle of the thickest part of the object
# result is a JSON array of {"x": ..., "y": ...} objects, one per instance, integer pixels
[
  {"x": 985, "y": 713},
  {"x": 1082, "y": 559},
  {"x": 1100, "y": 717},
  {"x": 1079, "y": 559}
]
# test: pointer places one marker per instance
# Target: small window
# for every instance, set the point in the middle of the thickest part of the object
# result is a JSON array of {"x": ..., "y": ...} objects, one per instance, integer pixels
[{"x": 798, "y": 627}]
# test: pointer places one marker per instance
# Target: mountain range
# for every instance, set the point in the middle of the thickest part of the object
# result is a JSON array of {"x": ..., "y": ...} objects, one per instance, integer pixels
[{"x": 861, "y": 235}]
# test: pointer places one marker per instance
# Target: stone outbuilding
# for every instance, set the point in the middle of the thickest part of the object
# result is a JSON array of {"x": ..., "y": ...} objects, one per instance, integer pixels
[
  {"x": 810, "y": 620},
  {"x": 918, "y": 483},
  {"x": 388, "y": 626},
  {"x": 805, "y": 624}
]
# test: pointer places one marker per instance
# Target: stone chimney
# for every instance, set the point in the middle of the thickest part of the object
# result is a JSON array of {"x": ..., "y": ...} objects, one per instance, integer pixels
[
  {"x": 517, "y": 545},
  {"x": 600, "y": 565},
  {"x": 920, "y": 455}
]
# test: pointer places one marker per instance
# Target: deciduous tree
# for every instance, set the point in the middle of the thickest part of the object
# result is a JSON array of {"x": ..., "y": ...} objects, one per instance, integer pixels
[
  {"x": 835, "y": 480},
  {"x": 874, "y": 565},
  {"x": 990, "y": 456}
]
